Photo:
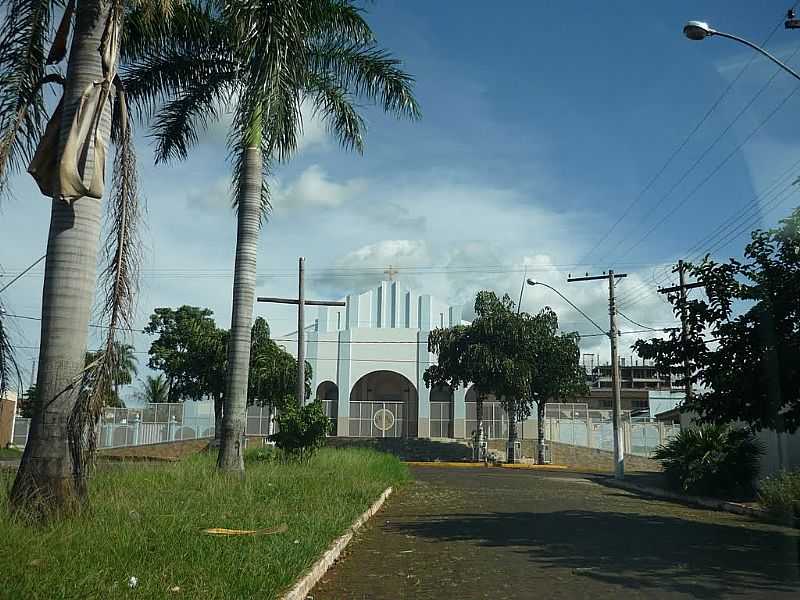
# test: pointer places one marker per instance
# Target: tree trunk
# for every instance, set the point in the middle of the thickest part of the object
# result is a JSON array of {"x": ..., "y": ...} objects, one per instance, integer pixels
[
  {"x": 479, "y": 424},
  {"x": 231, "y": 457},
  {"x": 540, "y": 428},
  {"x": 511, "y": 454},
  {"x": 47, "y": 483}
]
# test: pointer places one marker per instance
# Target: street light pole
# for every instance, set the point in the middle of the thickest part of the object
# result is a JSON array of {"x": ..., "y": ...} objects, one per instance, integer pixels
[
  {"x": 613, "y": 335},
  {"x": 699, "y": 30}
]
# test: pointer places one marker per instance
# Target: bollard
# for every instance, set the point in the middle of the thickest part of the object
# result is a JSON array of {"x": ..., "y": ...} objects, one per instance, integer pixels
[{"x": 137, "y": 422}]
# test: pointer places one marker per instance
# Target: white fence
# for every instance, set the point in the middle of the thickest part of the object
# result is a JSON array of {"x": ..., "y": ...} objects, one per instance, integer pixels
[
  {"x": 157, "y": 423},
  {"x": 577, "y": 425}
]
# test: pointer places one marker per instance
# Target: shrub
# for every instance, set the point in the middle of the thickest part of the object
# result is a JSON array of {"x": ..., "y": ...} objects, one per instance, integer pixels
[
  {"x": 301, "y": 430},
  {"x": 780, "y": 494},
  {"x": 715, "y": 460}
]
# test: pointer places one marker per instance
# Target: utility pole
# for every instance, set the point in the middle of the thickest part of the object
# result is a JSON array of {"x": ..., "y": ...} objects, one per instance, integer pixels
[
  {"x": 301, "y": 303},
  {"x": 613, "y": 334},
  {"x": 681, "y": 289},
  {"x": 301, "y": 332}
]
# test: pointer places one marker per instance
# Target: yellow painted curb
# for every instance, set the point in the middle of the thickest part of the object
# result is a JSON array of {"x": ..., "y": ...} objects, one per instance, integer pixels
[
  {"x": 480, "y": 465},
  {"x": 467, "y": 465},
  {"x": 534, "y": 467}
]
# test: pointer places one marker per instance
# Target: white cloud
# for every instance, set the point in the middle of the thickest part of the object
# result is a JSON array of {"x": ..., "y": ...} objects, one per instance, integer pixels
[{"x": 313, "y": 188}]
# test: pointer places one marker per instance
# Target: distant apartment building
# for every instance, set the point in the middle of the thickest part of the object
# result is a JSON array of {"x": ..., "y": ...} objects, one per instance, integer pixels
[{"x": 644, "y": 391}]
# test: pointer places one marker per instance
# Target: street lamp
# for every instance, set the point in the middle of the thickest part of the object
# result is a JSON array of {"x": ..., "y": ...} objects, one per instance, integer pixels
[
  {"x": 619, "y": 448},
  {"x": 700, "y": 30}
]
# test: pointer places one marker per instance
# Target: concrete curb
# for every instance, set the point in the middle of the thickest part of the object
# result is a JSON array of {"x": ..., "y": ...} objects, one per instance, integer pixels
[
  {"x": 712, "y": 503},
  {"x": 301, "y": 589}
]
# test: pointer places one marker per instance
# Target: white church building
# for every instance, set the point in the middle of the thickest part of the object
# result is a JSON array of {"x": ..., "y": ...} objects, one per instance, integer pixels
[{"x": 368, "y": 359}]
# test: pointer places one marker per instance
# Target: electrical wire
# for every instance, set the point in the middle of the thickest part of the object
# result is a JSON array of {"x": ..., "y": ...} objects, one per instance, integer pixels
[{"x": 681, "y": 146}]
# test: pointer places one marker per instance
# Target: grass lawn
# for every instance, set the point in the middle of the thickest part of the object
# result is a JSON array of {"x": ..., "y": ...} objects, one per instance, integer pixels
[
  {"x": 146, "y": 522},
  {"x": 10, "y": 454}
]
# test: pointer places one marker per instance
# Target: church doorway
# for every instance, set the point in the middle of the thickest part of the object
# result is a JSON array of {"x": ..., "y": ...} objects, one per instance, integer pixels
[{"x": 383, "y": 404}]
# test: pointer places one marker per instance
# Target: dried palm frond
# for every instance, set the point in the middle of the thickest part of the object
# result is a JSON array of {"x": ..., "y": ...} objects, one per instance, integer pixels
[{"x": 119, "y": 285}]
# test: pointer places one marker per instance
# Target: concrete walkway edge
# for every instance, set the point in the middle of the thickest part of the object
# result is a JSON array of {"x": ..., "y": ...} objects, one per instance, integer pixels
[
  {"x": 301, "y": 589},
  {"x": 724, "y": 505}
]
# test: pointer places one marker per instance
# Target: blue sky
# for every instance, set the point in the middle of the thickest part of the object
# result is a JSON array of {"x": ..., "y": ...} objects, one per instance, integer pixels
[{"x": 542, "y": 123}]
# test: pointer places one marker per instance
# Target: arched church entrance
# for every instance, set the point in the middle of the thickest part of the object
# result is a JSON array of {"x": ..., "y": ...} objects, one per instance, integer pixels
[
  {"x": 383, "y": 404},
  {"x": 328, "y": 394}
]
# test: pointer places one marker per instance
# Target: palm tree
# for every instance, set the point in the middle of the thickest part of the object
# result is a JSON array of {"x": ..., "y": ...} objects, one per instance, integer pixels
[
  {"x": 262, "y": 58},
  {"x": 66, "y": 156},
  {"x": 156, "y": 389},
  {"x": 124, "y": 366}
]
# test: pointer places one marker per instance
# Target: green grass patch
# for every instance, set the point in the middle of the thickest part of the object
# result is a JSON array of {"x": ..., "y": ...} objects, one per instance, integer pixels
[
  {"x": 10, "y": 454},
  {"x": 146, "y": 520}
]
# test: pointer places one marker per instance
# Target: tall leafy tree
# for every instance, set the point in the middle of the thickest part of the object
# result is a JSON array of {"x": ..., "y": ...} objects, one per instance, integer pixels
[
  {"x": 477, "y": 355},
  {"x": 743, "y": 337},
  {"x": 553, "y": 363},
  {"x": 520, "y": 358},
  {"x": 65, "y": 152},
  {"x": 262, "y": 59}
]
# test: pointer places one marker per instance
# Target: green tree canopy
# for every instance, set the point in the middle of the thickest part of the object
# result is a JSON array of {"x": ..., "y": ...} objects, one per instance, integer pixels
[
  {"x": 743, "y": 338},
  {"x": 273, "y": 371},
  {"x": 189, "y": 350},
  {"x": 520, "y": 358}
]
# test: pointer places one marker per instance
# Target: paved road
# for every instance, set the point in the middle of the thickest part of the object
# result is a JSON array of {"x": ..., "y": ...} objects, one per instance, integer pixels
[{"x": 492, "y": 533}]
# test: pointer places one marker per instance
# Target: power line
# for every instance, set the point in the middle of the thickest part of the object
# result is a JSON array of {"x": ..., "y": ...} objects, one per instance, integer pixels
[
  {"x": 714, "y": 171},
  {"x": 627, "y": 318},
  {"x": 685, "y": 141}
]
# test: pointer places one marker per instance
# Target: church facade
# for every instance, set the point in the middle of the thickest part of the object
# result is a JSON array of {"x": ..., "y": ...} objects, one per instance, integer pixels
[{"x": 368, "y": 359}]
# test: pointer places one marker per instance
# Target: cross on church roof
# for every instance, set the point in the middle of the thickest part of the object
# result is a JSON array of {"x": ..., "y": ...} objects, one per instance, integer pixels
[{"x": 390, "y": 273}]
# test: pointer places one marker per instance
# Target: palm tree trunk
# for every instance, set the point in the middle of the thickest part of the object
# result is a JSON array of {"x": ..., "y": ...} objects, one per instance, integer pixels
[
  {"x": 231, "y": 456},
  {"x": 47, "y": 483},
  {"x": 540, "y": 428}
]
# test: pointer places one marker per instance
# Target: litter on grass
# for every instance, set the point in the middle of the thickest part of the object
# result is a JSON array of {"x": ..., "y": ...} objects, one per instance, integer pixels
[{"x": 283, "y": 528}]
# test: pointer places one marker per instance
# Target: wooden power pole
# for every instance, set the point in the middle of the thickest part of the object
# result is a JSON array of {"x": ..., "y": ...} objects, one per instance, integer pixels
[
  {"x": 613, "y": 334},
  {"x": 681, "y": 288},
  {"x": 301, "y": 303}
]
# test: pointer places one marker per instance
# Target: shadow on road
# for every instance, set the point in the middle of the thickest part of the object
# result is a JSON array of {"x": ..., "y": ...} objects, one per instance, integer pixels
[{"x": 633, "y": 550}]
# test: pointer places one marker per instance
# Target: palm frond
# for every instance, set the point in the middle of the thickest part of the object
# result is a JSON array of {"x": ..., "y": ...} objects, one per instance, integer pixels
[
  {"x": 335, "y": 107},
  {"x": 366, "y": 71},
  {"x": 180, "y": 69},
  {"x": 340, "y": 19},
  {"x": 9, "y": 370},
  {"x": 176, "y": 127},
  {"x": 23, "y": 53}
]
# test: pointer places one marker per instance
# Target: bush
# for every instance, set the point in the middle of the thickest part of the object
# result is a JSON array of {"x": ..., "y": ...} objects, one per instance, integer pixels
[
  {"x": 714, "y": 460},
  {"x": 780, "y": 494},
  {"x": 302, "y": 431}
]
